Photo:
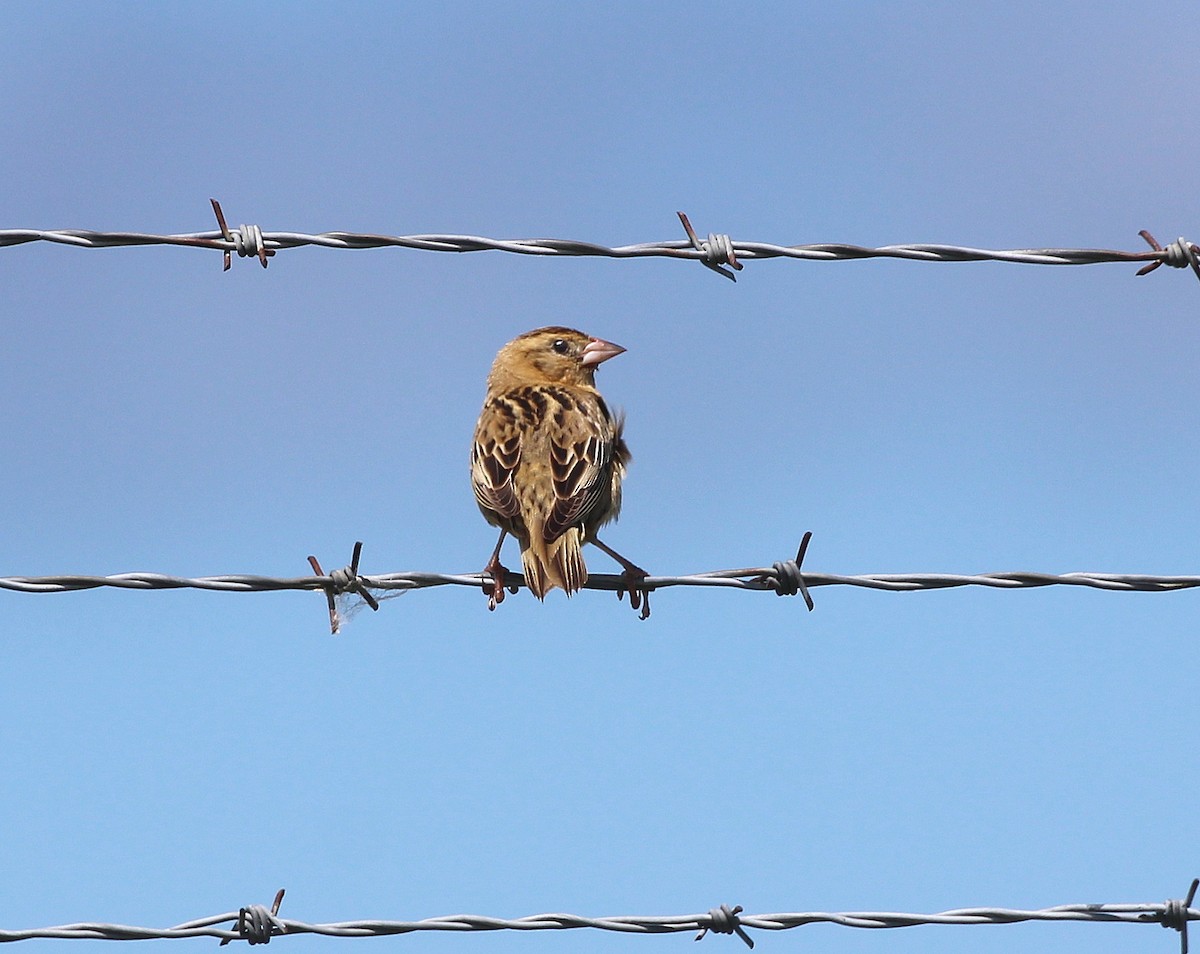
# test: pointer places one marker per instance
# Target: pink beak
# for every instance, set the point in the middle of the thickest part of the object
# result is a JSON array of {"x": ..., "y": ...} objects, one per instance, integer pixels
[{"x": 598, "y": 350}]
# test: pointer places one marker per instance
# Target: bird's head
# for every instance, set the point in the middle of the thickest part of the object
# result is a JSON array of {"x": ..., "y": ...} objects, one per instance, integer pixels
[{"x": 553, "y": 355}]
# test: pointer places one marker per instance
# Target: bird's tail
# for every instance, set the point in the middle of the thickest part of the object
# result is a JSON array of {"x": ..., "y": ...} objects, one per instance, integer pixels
[{"x": 560, "y": 563}]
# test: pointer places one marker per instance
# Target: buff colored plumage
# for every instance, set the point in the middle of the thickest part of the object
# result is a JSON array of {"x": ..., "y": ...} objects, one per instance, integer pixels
[{"x": 548, "y": 458}]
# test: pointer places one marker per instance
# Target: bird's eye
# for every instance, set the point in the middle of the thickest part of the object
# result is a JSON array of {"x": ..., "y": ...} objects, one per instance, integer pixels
[{"x": 560, "y": 346}]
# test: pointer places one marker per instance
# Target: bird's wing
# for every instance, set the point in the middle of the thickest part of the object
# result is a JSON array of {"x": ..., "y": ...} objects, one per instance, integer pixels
[
  {"x": 581, "y": 448},
  {"x": 494, "y": 458}
]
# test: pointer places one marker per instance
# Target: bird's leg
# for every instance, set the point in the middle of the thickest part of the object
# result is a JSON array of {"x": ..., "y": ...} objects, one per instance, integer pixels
[
  {"x": 635, "y": 576},
  {"x": 495, "y": 589}
]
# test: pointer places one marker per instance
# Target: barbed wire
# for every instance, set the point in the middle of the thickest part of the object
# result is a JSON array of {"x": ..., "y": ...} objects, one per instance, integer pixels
[
  {"x": 784, "y": 578},
  {"x": 258, "y": 924},
  {"x": 716, "y": 252}
]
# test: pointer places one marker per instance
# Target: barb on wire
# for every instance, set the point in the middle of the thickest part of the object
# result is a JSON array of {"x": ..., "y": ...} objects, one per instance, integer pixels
[
  {"x": 257, "y": 925},
  {"x": 718, "y": 251},
  {"x": 724, "y": 920},
  {"x": 247, "y": 240},
  {"x": 785, "y": 578},
  {"x": 345, "y": 580},
  {"x": 788, "y": 580},
  {"x": 1176, "y": 914},
  {"x": 1179, "y": 254}
]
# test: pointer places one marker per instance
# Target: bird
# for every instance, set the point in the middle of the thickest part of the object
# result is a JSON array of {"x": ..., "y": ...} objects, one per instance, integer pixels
[{"x": 548, "y": 460}]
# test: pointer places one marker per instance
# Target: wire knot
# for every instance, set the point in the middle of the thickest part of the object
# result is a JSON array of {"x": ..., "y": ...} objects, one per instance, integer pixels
[
  {"x": 344, "y": 581},
  {"x": 716, "y": 252},
  {"x": 724, "y": 920},
  {"x": 247, "y": 239},
  {"x": 1179, "y": 254},
  {"x": 340, "y": 582},
  {"x": 258, "y": 924},
  {"x": 1175, "y": 915},
  {"x": 787, "y": 579}
]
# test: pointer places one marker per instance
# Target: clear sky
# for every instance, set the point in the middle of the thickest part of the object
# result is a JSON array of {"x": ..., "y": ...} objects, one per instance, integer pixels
[{"x": 173, "y": 755}]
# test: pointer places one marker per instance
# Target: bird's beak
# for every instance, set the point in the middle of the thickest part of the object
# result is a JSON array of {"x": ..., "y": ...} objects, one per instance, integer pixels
[{"x": 598, "y": 350}]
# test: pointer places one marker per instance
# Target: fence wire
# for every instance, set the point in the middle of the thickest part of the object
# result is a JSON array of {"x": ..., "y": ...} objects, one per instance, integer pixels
[
  {"x": 784, "y": 578},
  {"x": 752, "y": 578},
  {"x": 257, "y": 924},
  {"x": 716, "y": 252}
]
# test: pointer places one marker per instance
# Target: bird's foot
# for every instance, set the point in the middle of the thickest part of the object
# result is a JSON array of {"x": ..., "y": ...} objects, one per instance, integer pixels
[
  {"x": 639, "y": 594},
  {"x": 635, "y": 580},
  {"x": 495, "y": 589}
]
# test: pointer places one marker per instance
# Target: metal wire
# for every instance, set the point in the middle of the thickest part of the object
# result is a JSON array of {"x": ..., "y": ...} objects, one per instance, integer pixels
[
  {"x": 715, "y": 252},
  {"x": 759, "y": 578},
  {"x": 233, "y": 925},
  {"x": 784, "y": 578},
  {"x": 750, "y": 578}
]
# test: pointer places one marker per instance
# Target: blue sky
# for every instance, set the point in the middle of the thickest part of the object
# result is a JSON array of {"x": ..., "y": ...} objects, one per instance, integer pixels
[{"x": 173, "y": 755}]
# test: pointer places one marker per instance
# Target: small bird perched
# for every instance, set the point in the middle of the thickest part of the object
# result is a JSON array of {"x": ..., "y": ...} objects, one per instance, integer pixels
[{"x": 548, "y": 460}]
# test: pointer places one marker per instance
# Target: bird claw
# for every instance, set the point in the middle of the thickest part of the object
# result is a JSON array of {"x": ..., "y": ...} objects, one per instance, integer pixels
[
  {"x": 639, "y": 594},
  {"x": 495, "y": 589}
]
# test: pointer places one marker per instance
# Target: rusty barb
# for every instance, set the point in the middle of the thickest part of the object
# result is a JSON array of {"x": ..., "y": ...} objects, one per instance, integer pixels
[
  {"x": 247, "y": 239},
  {"x": 1179, "y": 254}
]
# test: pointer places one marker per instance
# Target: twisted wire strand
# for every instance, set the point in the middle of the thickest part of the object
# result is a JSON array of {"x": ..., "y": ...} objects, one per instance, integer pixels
[
  {"x": 718, "y": 250},
  {"x": 721, "y": 919},
  {"x": 84, "y": 238},
  {"x": 750, "y": 578}
]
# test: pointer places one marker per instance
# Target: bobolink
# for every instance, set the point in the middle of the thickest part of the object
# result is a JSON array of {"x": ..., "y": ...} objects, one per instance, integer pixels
[{"x": 548, "y": 460}]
